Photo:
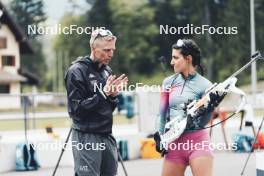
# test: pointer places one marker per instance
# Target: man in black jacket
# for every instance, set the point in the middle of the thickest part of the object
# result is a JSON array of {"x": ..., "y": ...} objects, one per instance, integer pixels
[{"x": 91, "y": 92}]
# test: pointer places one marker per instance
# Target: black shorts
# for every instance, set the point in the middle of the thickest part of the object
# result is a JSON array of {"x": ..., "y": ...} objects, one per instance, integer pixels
[{"x": 94, "y": 154}]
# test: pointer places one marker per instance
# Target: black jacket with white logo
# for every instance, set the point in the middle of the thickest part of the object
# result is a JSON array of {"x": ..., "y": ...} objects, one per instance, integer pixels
[{"x": 90, "y": 110}]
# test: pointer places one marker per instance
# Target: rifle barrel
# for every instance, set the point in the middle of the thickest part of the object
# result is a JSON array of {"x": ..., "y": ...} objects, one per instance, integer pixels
[{"x": 254, "y": 57}]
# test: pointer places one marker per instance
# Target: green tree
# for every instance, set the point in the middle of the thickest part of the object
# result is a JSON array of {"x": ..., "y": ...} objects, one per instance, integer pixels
[
  {"x": 136, "y": 32},
  {"x": 100, "y": 15},
  {"x": 136, "y": 48},
  {"x": 74, "y": 44},
  {"x": 222, "y": 54},
  {"x": 28, "y": 12},
  {"x": 259, "y": 16},
  {"x": 67, "y": 47},
  {"x": 136, "y": 25},
  {"x": 31, "y": 12}
]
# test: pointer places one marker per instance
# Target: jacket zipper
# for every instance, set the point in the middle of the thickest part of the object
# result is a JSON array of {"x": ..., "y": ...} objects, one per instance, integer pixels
[{"x": 183, "y": 85}]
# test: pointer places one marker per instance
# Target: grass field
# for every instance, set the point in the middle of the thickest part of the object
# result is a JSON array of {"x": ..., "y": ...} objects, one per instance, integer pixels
[
  {"x": 40, "y": 108},
  {"x": 64, "y": 122},
  {"x": 54, "y": 122}
]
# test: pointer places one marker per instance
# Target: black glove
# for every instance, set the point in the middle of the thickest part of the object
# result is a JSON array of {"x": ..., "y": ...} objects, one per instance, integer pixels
[
  {"x": 215, "y": 100},
  {"x": 159, "y": 147},
  {"x": 185, "y": 105},
  {"x": 193, "y": 121},
  {"x": 190, "y": 120}
]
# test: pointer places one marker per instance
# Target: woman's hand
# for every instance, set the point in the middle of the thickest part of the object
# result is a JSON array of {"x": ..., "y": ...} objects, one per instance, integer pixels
[{"x": 159, "y": 146}]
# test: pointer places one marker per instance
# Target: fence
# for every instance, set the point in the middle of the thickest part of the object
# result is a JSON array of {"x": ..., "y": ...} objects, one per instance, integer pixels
[
  {"x": 32, "y": 111},
  {"x": 44, "y": 109}
]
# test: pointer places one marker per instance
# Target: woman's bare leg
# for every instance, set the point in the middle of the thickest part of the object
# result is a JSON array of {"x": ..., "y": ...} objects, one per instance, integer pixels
[
  {"x": 202, "y": 166},
  {"x": 172, "y": 169}
]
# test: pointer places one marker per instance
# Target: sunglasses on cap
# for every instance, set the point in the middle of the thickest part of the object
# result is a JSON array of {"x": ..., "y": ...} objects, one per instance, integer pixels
[
  {"x": 100, "y": 33},
  {"x": 180, "y": 43}
]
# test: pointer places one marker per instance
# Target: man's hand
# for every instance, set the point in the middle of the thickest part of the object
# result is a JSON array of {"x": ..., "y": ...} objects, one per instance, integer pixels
[
  {"x": 159, "y": 147},
  {"x": 107, "y": 87},
  {"x": 115, "y": 85}
]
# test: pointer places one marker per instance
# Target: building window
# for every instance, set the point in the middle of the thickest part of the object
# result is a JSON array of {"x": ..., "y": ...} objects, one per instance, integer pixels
[
  {"x": 8, "y": 60},
  {"x": 3, "y": 43},
  {"x": 4, "y": 88}
]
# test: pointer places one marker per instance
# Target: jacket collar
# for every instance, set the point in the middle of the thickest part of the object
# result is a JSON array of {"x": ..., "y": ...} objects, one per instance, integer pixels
[
  {"x": 190, "y": 76},
  {"x": 95, "y": 65}
]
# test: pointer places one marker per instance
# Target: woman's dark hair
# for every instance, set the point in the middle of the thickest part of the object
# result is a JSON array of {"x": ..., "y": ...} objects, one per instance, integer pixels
[{"x": 189, "y": 47}]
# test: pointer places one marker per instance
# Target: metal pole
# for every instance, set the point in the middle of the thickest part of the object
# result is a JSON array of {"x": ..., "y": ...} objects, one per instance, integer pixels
[
  {"x": 254, "y": 57},
  {"x": 25, "y": 108},
  {"x": 209, "y": 40},
  {"x": 64, "y": 147},
  {"x": 62, "y": 151},
  {"x": 34, "y": 110},
  {"x": 252, "y": 147},
  {"x": 253, "y": 49},
  {"x": 121, "y": 161},
  {"x": 162, "y": 61}
]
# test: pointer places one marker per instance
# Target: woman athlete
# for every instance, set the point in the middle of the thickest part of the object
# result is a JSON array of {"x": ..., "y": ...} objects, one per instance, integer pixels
[{"x": 192, "y": 147}]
